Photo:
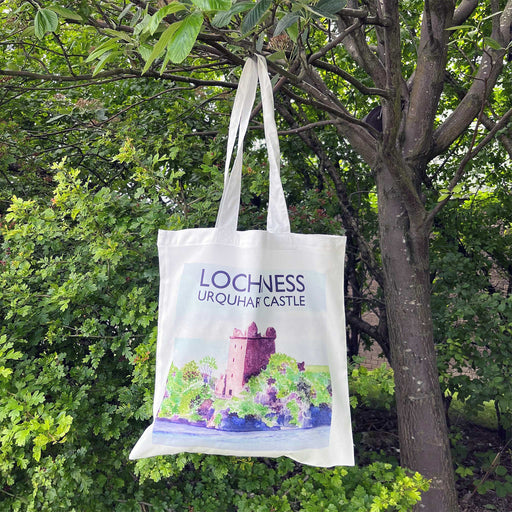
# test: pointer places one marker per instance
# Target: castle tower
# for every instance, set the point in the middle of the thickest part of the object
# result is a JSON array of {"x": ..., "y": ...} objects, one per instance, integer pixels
[{"x": 249, "y": 354}]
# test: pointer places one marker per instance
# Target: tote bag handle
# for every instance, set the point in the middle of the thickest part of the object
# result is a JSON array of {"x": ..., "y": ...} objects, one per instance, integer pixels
[{"x": 255, "y": 70}]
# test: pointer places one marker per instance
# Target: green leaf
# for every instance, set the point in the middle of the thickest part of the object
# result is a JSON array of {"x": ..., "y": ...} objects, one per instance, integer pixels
[
  {"x": 166, "y": 60},
  {"x": 184, "y": 37},
  {"x": 285, "y": 22},
  {"x": 280, "y": 55},
  {"x": 157, "y": 18},
  {"x": 260, "y": 41},
  {"x": 5, "y": 372},
  {"x": 125, "y": 11},
  {"x": 141, "y": 26},
  {"x": 21, "y": 437},
  {"x": 145, "y": 51},
  {"x": 29, "y": 31},
  {"x": 25, "y": 6},
  {"x": 65, "y": 13},
  {"x": 329, "y": 8},
  {"x": 500, "y": 490},
  {"x": 160, "y": 46},
  {"x": 222, "y": 19},
  {"x": 109, "y": 45},
  {"x": 293, "y": 32},
  {"x": 254, "y": 15},
  {"x": 36, "y": 453},
  {"x": 119, "y": 35},
  {"x": 107, "y": 57},
  {"x": 492, "y": 43},
  {"x": 501, "y": 471},
  {"x": 45, "y": 21},
  {"x": 461, "y": 27},
  {"x": 212, "y": 5}
]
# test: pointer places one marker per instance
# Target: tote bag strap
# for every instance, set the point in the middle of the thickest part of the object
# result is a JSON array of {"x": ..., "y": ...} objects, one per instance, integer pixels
[{"x": 254, "y": 70}]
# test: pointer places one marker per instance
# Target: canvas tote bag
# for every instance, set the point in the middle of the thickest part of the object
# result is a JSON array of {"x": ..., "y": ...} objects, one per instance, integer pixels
[{"x": 251, "y": 357}]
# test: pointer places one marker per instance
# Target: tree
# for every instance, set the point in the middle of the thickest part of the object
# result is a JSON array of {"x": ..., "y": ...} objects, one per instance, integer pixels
[{"x": 428, "y": 69}]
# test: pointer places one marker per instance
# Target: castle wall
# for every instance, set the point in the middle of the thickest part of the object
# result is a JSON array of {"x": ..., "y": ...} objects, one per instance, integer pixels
[
  {"x": 248, "y": 355},
  {"x": 236, "y": 365},
  {"x": 258, "y": 353}
]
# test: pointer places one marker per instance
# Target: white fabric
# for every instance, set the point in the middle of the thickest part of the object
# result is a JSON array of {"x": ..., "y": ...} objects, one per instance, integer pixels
[
  {"x": 277, "y": 218},
  {"x": 216, "y": 282}
]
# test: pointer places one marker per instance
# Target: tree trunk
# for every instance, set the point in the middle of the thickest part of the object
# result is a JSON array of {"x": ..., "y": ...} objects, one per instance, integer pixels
[{"x": 423, "y": 433}]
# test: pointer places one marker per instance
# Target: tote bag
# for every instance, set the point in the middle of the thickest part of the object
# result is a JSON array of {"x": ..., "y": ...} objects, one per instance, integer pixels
[{"x": 251, "y": 356}]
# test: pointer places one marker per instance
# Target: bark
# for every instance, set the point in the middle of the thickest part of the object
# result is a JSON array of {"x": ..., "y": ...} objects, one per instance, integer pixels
[
  {"x": 358, "y": 48},
  {"x": 404, "y": 240},
  {"x": 423, "y": 432},
  {"x": 464, "y": 11},
  {"x": 428, "y": 81}
]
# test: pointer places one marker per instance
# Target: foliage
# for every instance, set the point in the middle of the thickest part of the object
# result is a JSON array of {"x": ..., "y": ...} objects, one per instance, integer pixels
[
  {"x": 372, "y": 388},
  {"x": 259, "y": 484},
  {"x": 486, "y": 471},
  {"x": 471, "y": 257},
  {"x": 501, "y": 484},
  {"x": 281, "y": 395},
  {"x": 78, "y": 282}
]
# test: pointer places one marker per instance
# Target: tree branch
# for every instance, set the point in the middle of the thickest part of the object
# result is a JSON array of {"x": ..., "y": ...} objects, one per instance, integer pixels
[
  {"x": 468, "y": 108},
  {"x": 502, "y": 137},
  {"x": 337, "y": 113},
  {"x": 501, "y": 124},
  {"x": 64, "y": 53},
  {"x": 369, "y": 91},
  {"x": 427, "y": 84},
  {"x": 464, "y": 11},
  {"x": 39, "y": 47},
  {"x": 403, "y": 175},
  {"x": 366, "y": 328},
  {"x": 120, "y": 72},
  {"x": 145, "y": 100},
  {"x": 392, "y": 110},
  {"x": 356, "y": 45},
  {"x": 505, "y": 23},
  {"x": 348, "y": 215},
  {"x": 335, "y": 42},
  {"x": 27, "y": 89},
  {"x": 485, "y": 119},
  {"x": 291, "y": 131},
  {"x": 309, "y": 126}
]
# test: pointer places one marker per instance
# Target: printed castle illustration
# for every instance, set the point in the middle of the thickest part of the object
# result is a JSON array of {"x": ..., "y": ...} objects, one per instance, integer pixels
[{"x": 249, "y": 354}]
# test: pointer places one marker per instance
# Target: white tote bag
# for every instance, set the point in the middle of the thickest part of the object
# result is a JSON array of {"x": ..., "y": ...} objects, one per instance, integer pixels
[{"x": 251, "y": 356}]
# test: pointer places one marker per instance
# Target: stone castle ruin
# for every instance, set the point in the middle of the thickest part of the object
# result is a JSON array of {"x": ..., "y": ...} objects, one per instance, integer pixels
[{"x": 249, "y": 354}]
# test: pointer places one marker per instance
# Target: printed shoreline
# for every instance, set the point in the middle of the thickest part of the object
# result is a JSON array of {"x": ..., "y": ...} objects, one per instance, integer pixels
[{"x": 168, "y": 433}]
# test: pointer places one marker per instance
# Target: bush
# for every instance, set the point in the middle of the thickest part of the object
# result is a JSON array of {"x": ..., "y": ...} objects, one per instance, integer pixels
[{"x": 372, "y": 388}]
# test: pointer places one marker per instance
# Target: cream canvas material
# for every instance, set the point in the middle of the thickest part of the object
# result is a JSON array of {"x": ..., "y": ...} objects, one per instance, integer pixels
[{"x": 251, "y": 352}]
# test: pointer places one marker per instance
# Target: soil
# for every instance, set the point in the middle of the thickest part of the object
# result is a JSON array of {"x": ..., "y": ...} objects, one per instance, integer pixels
[{"x": 476, "y": 448}]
